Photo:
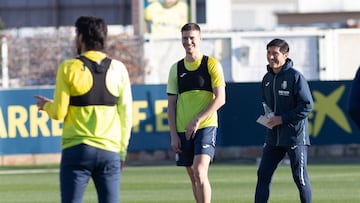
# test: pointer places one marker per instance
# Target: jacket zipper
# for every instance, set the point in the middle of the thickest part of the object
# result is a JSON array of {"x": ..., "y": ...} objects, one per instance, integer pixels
[{"x": 275, "y": 107}]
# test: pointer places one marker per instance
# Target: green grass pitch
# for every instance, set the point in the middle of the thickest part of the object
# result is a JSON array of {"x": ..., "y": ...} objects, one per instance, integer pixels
[{"x": 231, "y": 183}]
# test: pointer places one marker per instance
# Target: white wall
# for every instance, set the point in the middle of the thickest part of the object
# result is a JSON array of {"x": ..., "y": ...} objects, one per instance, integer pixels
[
  {"x": 318, "y": 54},
  {"x": 258, "y": 15},
  {"x": 218, "y": 16}
]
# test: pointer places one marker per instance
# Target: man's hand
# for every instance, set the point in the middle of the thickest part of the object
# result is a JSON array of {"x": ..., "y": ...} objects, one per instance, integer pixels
[
  {"x": 275, "y": 121},
  {"x": 176, "y": 143},
  {"x": 41, "y": 101},
  {"x": 191, "y": 129}
]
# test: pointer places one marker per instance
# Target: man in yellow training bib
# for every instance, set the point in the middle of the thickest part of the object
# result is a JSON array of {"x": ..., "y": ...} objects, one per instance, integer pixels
[
  {"x": 196, "y": 90},
  {"x": 93, "y": 97}
]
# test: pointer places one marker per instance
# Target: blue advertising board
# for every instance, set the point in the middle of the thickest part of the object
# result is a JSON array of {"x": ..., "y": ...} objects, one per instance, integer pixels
[
  {"x": 329, "y": 123},
  {"x": 24, "y": 130}
]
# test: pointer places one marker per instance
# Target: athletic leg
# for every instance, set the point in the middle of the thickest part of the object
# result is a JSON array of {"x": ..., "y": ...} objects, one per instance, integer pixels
[
  {"x": 200, "y": 174},
  {"x": 270, "y": 159},
  {"x": 190, "y": 172},
  {"x": 196, "y": 155},
  {"x": 186, "y": 158},
  {"x": 298, "y": 160},
  {"x": 205, "y": 141}
]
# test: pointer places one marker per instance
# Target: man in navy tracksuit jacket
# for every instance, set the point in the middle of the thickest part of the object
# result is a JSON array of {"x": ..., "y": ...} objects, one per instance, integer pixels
[{"x": 288, "y": 95}]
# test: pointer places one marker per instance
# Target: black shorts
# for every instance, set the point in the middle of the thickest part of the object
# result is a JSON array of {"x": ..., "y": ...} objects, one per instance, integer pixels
[{"x": 203, "y": 143}]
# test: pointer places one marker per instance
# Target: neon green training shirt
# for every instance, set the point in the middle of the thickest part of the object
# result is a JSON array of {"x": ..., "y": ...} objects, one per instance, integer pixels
[
  {"x": 100, "y": 126},
  {"x": 166, "y": 20},
  {"x": 191, "y": 103}
]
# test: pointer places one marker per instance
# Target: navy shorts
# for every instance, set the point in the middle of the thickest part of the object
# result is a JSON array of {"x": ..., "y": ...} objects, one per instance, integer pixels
[{"x": 203, "y": 143}]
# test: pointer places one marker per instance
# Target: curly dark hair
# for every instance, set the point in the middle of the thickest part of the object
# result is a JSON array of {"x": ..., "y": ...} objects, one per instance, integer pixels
[{"x": 93, "y": 31}]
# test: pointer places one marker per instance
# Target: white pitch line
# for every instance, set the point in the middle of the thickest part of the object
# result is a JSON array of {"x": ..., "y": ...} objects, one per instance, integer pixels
[{"x": 28, "y": 171}]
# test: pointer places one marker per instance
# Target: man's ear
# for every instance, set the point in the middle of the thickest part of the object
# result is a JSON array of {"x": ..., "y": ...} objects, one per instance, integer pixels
[
  {"x": 286, "y": 54},
  {"x": 80, "y": 36}
]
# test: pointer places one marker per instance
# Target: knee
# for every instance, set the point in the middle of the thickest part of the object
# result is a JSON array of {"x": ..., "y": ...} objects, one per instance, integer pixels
[{"x": 200, "y": 175}]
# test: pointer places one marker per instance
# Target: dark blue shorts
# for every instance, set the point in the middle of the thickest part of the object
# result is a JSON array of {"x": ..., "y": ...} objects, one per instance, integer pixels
[{"x": 203, "y": 143}]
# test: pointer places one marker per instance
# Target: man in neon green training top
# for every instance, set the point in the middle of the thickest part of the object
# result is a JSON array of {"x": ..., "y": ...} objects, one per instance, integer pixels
[
  {"x": 93, "y": 97},
  {"x": 166, "y": 16},
  {"x": 196, "y": 90}
]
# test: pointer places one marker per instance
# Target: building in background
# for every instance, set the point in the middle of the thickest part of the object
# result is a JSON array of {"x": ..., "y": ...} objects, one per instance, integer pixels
[
  {"x": 48, "y": 13},
  {"x": 321, "y": 14},
  {"x": 235, "y": 33},
  {"x": 213, "y": 15},
  {"x": 258, "y": 14}
]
